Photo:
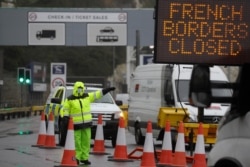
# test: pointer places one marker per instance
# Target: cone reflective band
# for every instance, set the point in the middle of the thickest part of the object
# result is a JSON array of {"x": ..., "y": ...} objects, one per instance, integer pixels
[
  {"x": 99, "y": 147},
  {"x": 166, "y": 153},
  {"x": 120, "y": 152},
  {"x": 42, "y": 132},
  {"x": 69, "y": 153},
  {"x": 199, "y": 153},
  {"x": 148, "y": 158},
  {"x": 50, "y": 136},
  {"x": 180, "y": 152}
]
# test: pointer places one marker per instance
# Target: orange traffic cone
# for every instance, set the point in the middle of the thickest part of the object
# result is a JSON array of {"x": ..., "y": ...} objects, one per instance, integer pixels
[
  {"x": 180, "y": 152},
  {"x": 166, "y": 156},
  {"x": 148, "y": 157},
  {"x": 69, "y": 153},
  {"x": 199, "y": 159},
  {"x": 120, "y": 152},
  {"x": 50, "y": 136},
  {"x": 99, "y": 147},
  {"x": 42, "y": 132}
]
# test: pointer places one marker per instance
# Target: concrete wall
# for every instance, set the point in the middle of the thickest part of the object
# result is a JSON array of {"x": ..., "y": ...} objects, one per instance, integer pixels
[{"x": 16, "y": 95}]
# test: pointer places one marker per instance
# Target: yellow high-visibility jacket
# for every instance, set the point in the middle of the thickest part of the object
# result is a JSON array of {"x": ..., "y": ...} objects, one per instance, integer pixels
[{"x": 77, "y": 106}]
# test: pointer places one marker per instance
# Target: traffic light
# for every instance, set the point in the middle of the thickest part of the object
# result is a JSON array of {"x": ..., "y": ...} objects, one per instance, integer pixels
[
  {"x": 27, "y": 76},
  {"x": 21, "y": 74}
]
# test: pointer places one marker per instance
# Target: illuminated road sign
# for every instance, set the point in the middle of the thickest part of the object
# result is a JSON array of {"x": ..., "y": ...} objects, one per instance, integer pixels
[{"x": 206, "y": 31}]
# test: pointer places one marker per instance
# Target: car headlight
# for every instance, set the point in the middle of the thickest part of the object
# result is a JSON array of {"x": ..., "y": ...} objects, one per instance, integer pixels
[{"x": 118, "y": 115}]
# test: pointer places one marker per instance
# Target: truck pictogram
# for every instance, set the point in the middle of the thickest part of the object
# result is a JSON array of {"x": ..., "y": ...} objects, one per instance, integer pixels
[{"x": 46, "y": 34}]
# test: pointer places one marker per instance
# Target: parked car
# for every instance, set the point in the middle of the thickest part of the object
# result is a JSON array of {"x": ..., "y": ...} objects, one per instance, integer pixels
[{"x": 105, "y": 106}]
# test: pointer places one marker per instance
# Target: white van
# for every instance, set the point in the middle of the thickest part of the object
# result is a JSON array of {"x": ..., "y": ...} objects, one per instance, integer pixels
[
  {"x": 233, "y": 141},
  {"x": 123, "y": 97},
  {"x": 166, "y": 85}
]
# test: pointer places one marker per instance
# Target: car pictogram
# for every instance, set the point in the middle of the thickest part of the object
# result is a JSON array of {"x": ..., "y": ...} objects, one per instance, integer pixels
[{"x": 107, "y": 30}]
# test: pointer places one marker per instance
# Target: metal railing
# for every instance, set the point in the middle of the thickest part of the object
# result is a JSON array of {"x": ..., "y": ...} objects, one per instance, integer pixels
[{"x": 18, "y": 112}]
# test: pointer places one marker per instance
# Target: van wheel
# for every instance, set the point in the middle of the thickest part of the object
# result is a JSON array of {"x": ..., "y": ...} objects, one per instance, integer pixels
[
  {"x": 174, "y": 134},
  {"x": 226, "y": 162},
  {"x": 113, "y": 141},
  {"x": 63, "y": 129},
  {"x": 114, "y": 137},
  {"x": 62, "y": 137},
  {"x": 139, "y": 138},
  {"x": 46, "y": 122}
]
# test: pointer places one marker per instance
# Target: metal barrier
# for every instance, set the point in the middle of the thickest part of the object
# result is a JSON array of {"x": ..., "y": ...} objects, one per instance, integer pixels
[{"x": 8, "y": 113}]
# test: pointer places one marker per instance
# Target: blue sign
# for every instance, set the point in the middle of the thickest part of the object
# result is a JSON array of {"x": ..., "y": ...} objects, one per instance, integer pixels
[
  {"x": 58, "y": 69},
  {"x": 146, "y": 59}
]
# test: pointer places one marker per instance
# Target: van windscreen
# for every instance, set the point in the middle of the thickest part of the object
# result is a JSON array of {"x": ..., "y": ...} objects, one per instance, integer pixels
[{"x": 182, "y": 87}]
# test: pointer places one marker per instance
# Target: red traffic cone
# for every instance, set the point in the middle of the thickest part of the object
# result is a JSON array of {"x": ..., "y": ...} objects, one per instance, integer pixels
[
  {"x": 180, "y": 152},
  {"x": 42, "y": 132},
  {"x": 120, "y": 152},
  {"x": 166, "y": 156},
  {"x": 69, "y": 153},
  {"x": 99, "y": 147},
  {"x": 50, "y": 136},
  {"x": 148, "y": 157},
  {"x": 199, "y": 159}
]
